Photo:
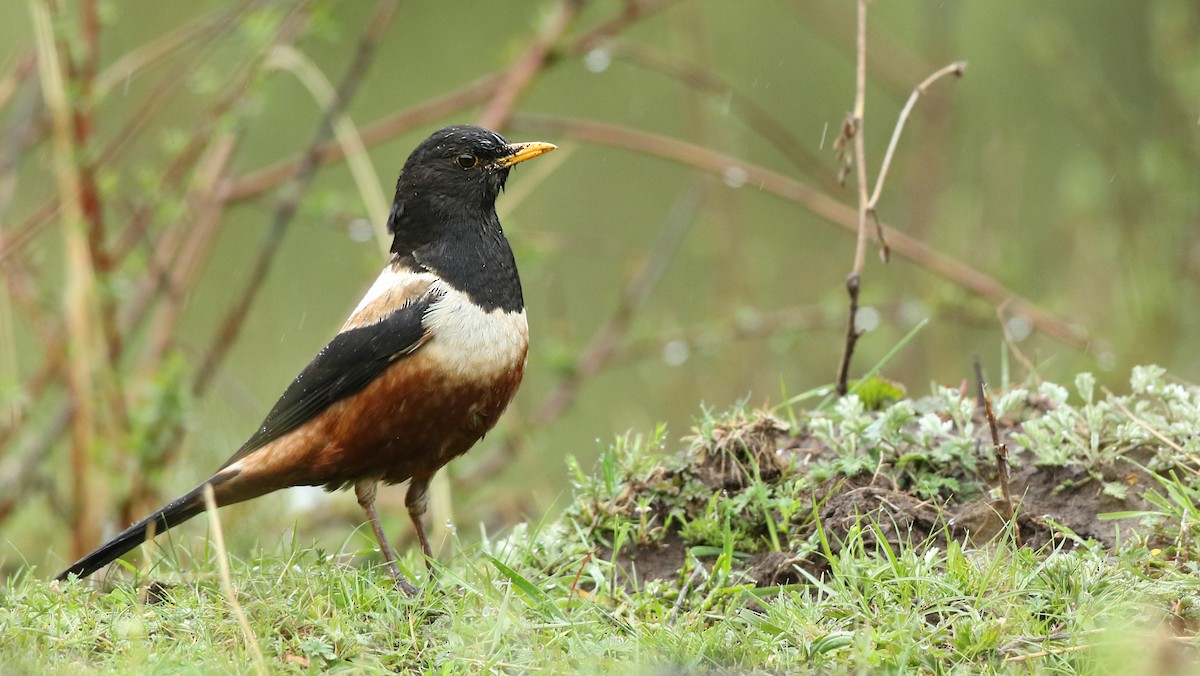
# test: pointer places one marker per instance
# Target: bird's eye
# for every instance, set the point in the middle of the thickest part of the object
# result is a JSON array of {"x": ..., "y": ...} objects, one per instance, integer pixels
[{"x": 466, "y": 160}]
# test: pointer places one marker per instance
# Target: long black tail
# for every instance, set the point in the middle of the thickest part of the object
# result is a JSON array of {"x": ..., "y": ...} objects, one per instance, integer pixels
[{"x": 176, "y": 512}]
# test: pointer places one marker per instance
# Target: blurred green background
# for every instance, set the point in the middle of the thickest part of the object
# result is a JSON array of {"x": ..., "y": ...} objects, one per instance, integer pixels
[{"x": 1065, "y": 164}]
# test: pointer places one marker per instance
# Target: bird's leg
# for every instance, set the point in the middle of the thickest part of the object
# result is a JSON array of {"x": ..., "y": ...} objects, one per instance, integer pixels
[
  {"x": 365, "y": 492},
  {"x": 416, "y": 501}
]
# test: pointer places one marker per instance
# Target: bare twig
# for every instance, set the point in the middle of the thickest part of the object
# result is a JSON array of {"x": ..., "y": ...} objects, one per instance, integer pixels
[
  {"x": 957, "y": 69},
  {"x": 857, "y": 122},
  {"x": 153, "y": 51},
  {"x": 232, "y": 324},
  {"x": 867, "y": 206},
  {"x": 1001, "y": 451},
  {"x": 896, "y": 62},
  {"x": 81, "y": 77},
  {"x": 80, "y": 282},
  {"x": 855, "y": 128},
  {"x": 23, "y": 114},
  {"x": 632, "y": 12},
  {"x": 19, "y": 283},
  {"x": 578, "y": 573},
  {"x": 186, "y": 259},
  {"x": 17, "y": 71},
  {"x": 180, "y": 264},
  {"x": 817, "y": 202},
  {"x": 161, "y": 93},
  {"x": 25, "y": 233},
  {"x": 54, "y": 338},
  {"x": 522, "y": 72},
  {"x": 124, "y": 68}
]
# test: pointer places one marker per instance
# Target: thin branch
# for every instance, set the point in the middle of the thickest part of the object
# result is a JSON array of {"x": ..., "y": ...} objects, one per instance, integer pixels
[
  {"x": 153, "y": 51},
  {"x": 131, "y": 317},
  {"x": 855, "y": 127},
  {"x": 1001, "y": 452},
  {"x": 522, "y": 72},
  {"x": 860, "y": 155},
  {"x": 232, "y": 325},
  {"x": 348, "y": 137},
  {"x": 184, "y": 264},
  {"x": 80, "y": 281},
  {"x": 83, "y": 77},
  {"x": 957, "y": 69},
  {"x": 867, "y": 205},
  {"x": 262, "y": 180},
  {"x": 250, "y": 185},
  {"x": 125, "y": 68},
  {"x": 20, "y": 283},
  {"x": 817, "y": 202},
  {"x": 22, "y": 66},
  {"x": 632, "y": 12},
  {"x": 896, "y": 62},
  {"x": 258, "y": 182},
  {"x": 180, "y": 264},
  {"x": 24, "y": 111}
]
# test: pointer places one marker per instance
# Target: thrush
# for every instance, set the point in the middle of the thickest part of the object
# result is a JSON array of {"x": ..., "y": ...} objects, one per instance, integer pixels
[{"x": 420, "y": 371}]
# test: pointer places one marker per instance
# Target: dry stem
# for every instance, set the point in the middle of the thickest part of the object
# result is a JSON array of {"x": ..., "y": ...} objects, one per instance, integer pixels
[
  {"x": 855, "y": 128},
  {"x": 214, "y": 521},
  {"x": 1001, "y": 451},
  {"x": 80, "y": 282},
  {"x": 957, "y": 69},
  {"x": 867, "y": 205}
]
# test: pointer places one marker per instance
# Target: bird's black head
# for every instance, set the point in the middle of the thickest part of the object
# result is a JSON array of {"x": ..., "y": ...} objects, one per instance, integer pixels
[{"x": 451, "y": 181}]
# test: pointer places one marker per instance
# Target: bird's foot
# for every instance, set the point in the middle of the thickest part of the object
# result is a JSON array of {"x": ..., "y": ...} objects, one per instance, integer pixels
[
  {"x": 407, "y": 587},
  {"x": 401, "y": 581}
]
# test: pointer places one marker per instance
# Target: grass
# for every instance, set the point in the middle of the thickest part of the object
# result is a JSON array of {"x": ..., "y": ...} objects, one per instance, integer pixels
[{"x": 731, "y": 555}]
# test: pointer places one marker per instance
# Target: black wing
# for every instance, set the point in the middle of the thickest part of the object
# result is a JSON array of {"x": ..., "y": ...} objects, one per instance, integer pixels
[{"x": 345, "y": 366}]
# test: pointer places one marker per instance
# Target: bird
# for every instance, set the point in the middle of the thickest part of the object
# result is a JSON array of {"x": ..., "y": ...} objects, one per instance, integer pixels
[{"x": 419, "y": 372}]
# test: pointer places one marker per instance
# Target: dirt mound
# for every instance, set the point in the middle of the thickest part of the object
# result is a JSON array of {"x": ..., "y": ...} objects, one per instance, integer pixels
[{"x": 892, "y": 506}]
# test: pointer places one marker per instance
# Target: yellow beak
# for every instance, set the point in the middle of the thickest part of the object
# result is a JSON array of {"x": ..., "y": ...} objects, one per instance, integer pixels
[{"x": 524, "y": 151}]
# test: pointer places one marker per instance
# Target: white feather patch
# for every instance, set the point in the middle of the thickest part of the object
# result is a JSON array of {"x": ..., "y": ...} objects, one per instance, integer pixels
[{"x": 470, "y": 343}]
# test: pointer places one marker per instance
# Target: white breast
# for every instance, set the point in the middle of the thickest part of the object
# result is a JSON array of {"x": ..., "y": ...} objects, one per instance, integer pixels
[{"x": 471, "y": 343}]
